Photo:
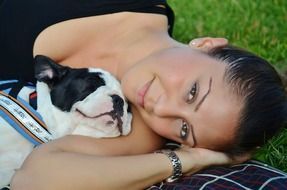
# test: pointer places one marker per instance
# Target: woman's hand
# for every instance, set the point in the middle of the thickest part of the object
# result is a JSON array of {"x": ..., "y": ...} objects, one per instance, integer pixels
[
  {"x": 208, "y": 43},
  {"x": 195, "y": 159}
]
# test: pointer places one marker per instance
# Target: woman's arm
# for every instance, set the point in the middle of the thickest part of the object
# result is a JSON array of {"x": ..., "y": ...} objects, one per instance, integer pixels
[
  {"x": 141, "y": 140},
  {"x": 48, "y": 167},
  {"x": 77, "y": 162}
]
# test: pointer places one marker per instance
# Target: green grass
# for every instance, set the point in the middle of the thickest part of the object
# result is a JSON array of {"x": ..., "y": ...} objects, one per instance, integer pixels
[{"x": 258, "y": 25}]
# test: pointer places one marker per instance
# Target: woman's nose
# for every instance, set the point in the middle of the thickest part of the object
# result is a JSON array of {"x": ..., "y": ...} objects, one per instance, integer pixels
[{"x": 166, "y": 108}]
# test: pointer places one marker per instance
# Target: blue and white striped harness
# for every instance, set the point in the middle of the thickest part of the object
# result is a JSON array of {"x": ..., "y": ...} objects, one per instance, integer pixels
[{"x": 20, "y": 114}]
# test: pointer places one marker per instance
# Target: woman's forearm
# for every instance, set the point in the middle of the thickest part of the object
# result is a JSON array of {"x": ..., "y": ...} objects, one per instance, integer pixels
[
  {"x": 79, "y": 161},
  {"x": 48, "y": 169},
  {"x": 129, "y": 145},
  {"x": 141, "y": 140}
]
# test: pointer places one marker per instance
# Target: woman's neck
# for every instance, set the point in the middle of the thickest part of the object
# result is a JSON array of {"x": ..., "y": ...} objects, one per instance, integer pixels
[
  {"x": 148, "y": 44},
  {"x": 122, "y": 42}
]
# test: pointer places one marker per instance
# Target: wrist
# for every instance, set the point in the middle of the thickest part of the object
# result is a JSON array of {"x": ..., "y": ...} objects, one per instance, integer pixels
[
  {"x": 175, "y": 163},
  {"x": 189, "y": 162}
]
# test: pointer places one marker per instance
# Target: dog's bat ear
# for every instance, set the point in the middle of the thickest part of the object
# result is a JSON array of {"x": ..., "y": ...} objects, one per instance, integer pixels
[{"x": 48, "y": 71}]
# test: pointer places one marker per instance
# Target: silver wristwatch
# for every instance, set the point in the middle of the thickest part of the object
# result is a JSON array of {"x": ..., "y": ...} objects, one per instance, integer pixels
[{"x": 176, "y": 165}]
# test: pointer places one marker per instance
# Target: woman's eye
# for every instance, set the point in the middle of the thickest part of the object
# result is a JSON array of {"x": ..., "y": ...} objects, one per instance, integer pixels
[
  {"x": 192, "y": 93},
  {"x": 184, "y": 132}
]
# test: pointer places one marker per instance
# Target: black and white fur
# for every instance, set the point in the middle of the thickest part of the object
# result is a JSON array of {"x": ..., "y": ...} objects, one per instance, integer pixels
[{"x": 85, "y": 101}]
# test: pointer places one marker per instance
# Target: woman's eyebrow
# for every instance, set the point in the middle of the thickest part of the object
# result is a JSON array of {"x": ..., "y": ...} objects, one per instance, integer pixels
[{"x": 204, "y": 96}]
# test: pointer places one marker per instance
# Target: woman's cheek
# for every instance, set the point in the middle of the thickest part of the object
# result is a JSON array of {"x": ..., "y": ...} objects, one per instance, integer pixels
[
  {"x": 127, "y": 85},
  {"x": 163, "y": 127}
]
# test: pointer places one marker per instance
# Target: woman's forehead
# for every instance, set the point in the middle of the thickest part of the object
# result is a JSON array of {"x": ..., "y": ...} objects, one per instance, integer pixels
[
  {"x": 218, "y": 118},
  {"x": 218, "y": 115}
]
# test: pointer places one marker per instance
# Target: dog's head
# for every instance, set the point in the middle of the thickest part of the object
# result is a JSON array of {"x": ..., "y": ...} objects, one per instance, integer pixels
[{"x": 91, "y": 96}]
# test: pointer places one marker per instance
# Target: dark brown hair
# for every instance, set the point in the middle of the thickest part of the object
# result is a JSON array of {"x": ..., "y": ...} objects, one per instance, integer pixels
[{"x": 264, "y": 111}]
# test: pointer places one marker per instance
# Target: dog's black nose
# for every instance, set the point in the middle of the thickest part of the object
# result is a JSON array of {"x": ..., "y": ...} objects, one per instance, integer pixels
[{"x": 118, "y": 104}]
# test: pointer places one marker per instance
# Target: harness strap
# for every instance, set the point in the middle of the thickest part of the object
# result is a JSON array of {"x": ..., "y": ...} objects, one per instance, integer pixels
[
  {"x": 20, "y": 115},
  {"x": 23, "y": 120},
  {"x": 15, "y": 87}
]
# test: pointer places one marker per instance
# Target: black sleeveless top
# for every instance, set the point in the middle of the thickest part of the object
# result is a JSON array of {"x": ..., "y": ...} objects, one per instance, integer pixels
[{"x": 21, "y": 21}]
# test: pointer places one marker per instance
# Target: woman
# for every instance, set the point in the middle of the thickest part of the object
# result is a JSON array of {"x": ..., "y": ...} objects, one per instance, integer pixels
[{"x": 175, "y": 92}]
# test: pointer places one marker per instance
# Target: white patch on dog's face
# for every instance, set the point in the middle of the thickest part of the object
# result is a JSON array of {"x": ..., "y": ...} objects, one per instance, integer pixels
[{"x": 97, "y": 115}]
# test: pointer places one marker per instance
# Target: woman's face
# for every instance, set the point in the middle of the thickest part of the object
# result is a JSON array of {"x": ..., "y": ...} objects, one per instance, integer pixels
[{"x": 181, "y": 94}]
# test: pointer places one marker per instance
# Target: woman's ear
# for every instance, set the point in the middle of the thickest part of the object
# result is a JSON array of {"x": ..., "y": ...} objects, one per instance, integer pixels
[{"x": 207, "y": 43}]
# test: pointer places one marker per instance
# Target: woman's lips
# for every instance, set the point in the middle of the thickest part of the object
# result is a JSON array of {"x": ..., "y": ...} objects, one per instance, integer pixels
[{"x": 142, "y": 92}]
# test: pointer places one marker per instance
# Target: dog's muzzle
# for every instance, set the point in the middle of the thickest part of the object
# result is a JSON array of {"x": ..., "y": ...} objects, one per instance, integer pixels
[{"x": 116, "y": 113}]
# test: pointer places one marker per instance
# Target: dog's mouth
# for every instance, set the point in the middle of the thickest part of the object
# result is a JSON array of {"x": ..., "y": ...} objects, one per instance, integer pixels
[{"x": 113, "y": 114}]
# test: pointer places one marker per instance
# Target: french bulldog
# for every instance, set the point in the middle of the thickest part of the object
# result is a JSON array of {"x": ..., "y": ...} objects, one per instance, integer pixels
[{"x": 85, "y": 101}]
